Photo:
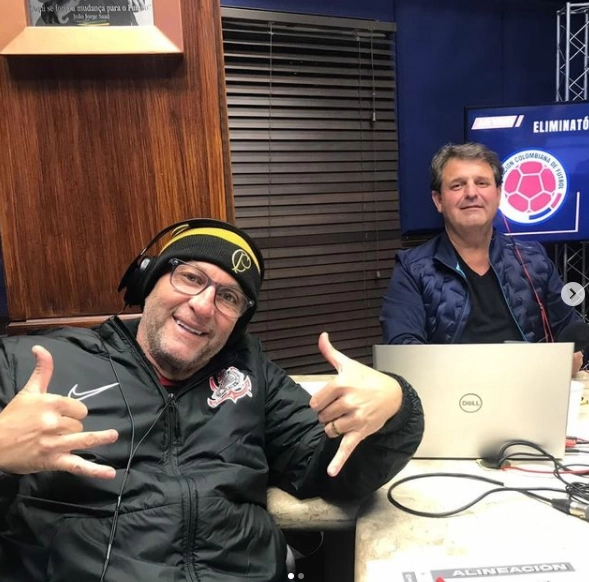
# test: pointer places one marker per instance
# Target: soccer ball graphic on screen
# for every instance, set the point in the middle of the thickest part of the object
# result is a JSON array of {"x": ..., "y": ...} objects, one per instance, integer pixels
[{"x": 534, "y": 186}]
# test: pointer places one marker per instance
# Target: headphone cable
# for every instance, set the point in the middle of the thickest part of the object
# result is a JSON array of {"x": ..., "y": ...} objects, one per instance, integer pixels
[
  {"x": 548, "y": 336},
  {"x": 132, "y": 452}
]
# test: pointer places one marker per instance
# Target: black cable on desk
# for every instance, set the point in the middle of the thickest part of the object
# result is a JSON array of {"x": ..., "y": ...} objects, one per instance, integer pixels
[
  {"x": 575, "y": 491},
  {"x": 501, "y": 488}
]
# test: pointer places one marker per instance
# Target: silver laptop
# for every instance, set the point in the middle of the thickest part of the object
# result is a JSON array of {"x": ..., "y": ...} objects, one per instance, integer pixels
[{"x": 476, "y": 397}]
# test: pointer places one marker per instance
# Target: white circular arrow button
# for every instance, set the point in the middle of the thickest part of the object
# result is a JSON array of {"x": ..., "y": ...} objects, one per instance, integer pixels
[{"x": 573, "y": 294}]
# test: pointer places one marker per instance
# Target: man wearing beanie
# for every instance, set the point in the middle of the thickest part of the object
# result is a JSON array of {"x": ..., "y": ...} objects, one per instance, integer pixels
[{"x": 186, "y": 423}]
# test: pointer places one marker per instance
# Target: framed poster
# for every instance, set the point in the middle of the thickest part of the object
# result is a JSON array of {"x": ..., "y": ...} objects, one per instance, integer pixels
[{"x": 77, "y": 27}]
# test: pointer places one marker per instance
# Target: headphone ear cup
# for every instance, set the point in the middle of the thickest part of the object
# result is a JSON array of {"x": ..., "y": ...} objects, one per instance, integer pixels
[{"x": 134, "y": 279}]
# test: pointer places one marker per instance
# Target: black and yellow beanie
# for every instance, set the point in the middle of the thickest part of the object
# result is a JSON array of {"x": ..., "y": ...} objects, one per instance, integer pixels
[{"x": 217, "y": 242}]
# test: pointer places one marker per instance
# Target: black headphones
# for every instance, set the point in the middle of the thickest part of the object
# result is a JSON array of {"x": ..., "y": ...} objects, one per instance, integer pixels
[{"x": 137, "y": 274}]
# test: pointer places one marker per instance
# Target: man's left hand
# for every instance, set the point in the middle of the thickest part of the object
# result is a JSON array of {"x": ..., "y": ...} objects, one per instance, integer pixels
[{"x": 354, "y": 404}]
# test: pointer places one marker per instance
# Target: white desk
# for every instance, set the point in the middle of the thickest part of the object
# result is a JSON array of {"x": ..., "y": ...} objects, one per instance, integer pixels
[
  {"x": 504, "y": 525},
  {"x": 497, "y": 530}
]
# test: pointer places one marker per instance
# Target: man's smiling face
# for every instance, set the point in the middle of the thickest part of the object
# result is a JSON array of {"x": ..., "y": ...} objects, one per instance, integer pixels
[
  {"x": 469, "y": 197},
  {"x": 180, "y": 334}
]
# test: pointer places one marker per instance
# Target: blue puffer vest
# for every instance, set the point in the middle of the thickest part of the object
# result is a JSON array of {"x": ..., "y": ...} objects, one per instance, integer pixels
[{"x": 427, "y": 300}]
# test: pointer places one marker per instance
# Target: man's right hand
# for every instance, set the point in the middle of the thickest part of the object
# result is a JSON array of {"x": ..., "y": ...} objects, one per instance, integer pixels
[{"x": 39, "y": 430}]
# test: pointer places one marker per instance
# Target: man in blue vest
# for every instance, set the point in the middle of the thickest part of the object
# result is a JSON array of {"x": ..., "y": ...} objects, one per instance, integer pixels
[{"x": 471, "y": 283}]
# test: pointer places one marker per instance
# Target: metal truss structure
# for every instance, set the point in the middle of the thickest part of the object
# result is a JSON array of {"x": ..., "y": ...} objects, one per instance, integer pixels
[
  {"x": 572, "y": 52},
  {"x": 572, "y": 259},
  {"x": 572, "y": 84}
]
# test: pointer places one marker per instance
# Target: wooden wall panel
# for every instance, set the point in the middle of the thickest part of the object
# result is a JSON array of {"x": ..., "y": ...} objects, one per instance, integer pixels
[{"x": 98, "y": 155}]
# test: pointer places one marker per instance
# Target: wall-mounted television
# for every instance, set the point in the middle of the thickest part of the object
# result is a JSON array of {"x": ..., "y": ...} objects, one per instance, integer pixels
[{"x": 545, "y": 154}]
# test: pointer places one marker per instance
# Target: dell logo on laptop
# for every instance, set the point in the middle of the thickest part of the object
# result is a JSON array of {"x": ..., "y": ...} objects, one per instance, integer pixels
[{"x": 471, "y": 402}]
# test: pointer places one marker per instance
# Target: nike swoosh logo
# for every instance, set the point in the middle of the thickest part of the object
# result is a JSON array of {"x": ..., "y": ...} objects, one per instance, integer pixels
[{"x": 73, "y": 393}]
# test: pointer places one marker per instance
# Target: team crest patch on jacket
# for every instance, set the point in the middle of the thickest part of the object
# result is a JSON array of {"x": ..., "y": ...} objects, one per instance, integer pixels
[{"x": 229, "y": 384}]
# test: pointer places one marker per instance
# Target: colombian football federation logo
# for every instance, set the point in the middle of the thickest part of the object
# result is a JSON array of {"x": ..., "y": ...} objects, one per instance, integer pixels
[{"x": 534, "y": 186}]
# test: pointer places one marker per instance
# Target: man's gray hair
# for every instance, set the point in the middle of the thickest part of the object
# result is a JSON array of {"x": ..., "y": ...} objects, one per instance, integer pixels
[{"x": 467, "y": 151}]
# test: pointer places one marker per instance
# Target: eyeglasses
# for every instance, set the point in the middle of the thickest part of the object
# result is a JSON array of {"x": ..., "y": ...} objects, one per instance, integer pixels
[{"x": 190, "y": 280}]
